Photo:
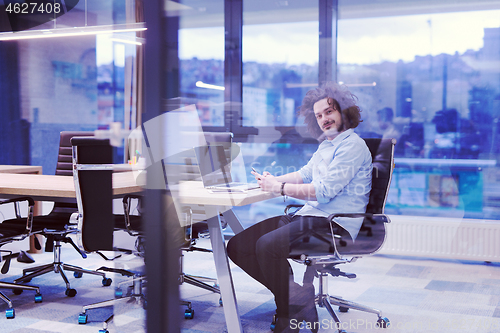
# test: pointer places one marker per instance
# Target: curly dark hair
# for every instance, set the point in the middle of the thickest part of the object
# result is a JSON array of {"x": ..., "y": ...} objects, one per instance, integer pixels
[{"x": 339, "y": 98}]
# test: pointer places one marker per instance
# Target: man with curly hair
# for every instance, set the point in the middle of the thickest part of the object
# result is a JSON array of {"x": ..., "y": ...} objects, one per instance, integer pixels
[{"x": 336, "y": 179}]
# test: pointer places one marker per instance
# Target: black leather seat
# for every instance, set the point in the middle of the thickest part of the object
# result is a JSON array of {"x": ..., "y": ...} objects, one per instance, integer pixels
[
  {"x": 17, "y": 230},
  {"x": 56, "y": 225},
  {"x": 96, "y": 221},
  {"x": 343, "y": 249}
]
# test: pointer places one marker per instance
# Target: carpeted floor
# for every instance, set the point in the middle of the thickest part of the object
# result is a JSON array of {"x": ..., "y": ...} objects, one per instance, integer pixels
[{"x": 417, "y": 295}]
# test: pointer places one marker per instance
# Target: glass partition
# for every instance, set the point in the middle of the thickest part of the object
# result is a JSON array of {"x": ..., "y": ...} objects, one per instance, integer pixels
[
  {"x": 83, "y": 77},
  {"x": 201, "y": 59},
  {"x": 428, "y": 80},
  {"x": 280, "y": 60}
]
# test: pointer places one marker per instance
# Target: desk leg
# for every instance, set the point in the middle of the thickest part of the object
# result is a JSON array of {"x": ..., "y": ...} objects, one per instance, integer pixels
[
  {"x": 233, "y": 221},
  {"x": 37, "y": 210},
  {"x": 223, "y": 271}
]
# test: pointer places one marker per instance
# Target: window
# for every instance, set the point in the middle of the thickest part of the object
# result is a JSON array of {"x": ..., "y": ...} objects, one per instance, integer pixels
[{"x": 426, "y": 79}]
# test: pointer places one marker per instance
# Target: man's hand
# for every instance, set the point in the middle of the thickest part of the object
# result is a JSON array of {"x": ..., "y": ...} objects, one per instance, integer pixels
[
  {"x": 269, "y": 183},
  {"x": 257, "y": 175}
]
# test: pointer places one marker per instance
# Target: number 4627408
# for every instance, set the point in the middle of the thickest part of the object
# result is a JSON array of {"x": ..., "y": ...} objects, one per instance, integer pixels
[{"x": 33, "y": 8}]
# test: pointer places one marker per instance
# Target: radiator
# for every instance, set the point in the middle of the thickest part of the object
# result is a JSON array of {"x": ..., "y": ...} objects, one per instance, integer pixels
[{"x": 451, "y": 238}]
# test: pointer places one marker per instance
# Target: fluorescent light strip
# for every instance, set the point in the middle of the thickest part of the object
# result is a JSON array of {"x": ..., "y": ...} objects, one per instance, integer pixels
[
  {"x": 125, "y": 41},
  {"x": 200, "y": 84},
  {"x": 70, "y": 32}
]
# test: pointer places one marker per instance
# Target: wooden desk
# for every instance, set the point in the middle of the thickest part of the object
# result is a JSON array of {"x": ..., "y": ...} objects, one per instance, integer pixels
[
  {"x": 61, "y": 188},
  {"x": 216, "y": 204},
  {"x": 193, "y": 192},
  {"x": 52, "y": 188},
  {"x": 57, "y": 188},
  {"x": 31, "y": 169}
]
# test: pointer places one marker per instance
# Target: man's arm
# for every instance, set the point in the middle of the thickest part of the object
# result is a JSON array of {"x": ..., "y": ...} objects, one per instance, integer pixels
[
  {"x": 292, "y": 178},
  {"x": 294, "y": 186},
  {"x": 300, "y": 191}
]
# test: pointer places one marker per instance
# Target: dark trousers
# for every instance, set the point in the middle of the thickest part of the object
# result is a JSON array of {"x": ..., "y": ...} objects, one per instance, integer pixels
[{"x": 262, "y": 251}]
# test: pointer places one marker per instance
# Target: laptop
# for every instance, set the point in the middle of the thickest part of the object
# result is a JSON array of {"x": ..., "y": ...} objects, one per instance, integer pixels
[{"x": 215, "y": 170}]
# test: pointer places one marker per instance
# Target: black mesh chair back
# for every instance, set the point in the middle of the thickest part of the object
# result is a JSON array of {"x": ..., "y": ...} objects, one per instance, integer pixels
[
  {"x": 322, "y": 260},
  {"x": 372, "y": 234},
  {"x": 64, "y": 167},
  {"x": 56, "y": 225},
  {"x": 93, "y": 175},
  {"x": 382, "y": 151},
  {"x": 94, "y": 186}
]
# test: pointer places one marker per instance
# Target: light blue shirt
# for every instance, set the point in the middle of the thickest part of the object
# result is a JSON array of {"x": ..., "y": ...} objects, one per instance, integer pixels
[{"x": 341, "y": 172}]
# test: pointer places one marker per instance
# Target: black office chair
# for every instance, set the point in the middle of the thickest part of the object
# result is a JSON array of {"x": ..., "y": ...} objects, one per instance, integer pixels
[
  {"x": 56, "y": 226},
  {"x": 342, "y": 249},
  {"x": 93, "y": 173},
  {"x": 10, "y": 233}
]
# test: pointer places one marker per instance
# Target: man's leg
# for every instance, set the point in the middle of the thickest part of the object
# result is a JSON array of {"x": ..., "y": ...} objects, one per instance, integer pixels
[
  {"x": 273, "y": 249},
  {"x": 241, "y": 248}
]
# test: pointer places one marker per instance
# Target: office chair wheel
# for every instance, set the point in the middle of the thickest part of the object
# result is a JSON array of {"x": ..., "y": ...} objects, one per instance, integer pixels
[
  {"x": 82, "y": 318},
  {"x": 118, "y": 292},
  {"x": 106, "y": 282},
  {"x": 273, "y": 323},
  {"x": 343, "y": 309},
  {"x": 70, "y": 292},
  {"x": 10, "y": 313},
  {"x": 38, "y": 298},
  {"x": 383, "y": 322},
  {"x": 189, "y": 314},
  {"x": 77, "y": 274},
  {"x": 17, "y": 291}
]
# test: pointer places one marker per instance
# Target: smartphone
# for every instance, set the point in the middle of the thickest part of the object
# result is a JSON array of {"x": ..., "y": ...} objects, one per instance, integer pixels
[{"x": 253, "y": 169}]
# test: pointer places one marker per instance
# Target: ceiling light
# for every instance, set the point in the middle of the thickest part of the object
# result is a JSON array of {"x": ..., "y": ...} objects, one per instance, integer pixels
[
  {"x": 72, "y": 32},
  {"x": 125, "y": 41},
  {"x": 201, "y": 84}
]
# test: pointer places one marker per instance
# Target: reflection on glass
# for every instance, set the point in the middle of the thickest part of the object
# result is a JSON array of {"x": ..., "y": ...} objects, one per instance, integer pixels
[
  {"x": 201, "y": 53},
  {"x": 280, "y": 63},
  {"x": 429, "y": 81}
]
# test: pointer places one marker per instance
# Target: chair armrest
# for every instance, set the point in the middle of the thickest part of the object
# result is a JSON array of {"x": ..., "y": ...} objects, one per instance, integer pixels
[
  {"x": 131, "y": 196},
  {"x": 126, "y": 212},
  {"x": 287, "y": 208},
  {"x": 29, "y": 219},
  {"x": 370, "y": 216},
  {"x": 30, "y": 200},
  {"x": 188, "y": 229}
]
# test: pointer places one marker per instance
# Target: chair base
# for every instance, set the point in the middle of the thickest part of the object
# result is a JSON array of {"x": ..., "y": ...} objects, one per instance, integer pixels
[
  {"x": 323, "y": 299},
  {"x": 59, "y": 267},
  {"x": 199, "y": 281},
  {"x": 17, "y": 289},
  {"x": 136, "y": 295}
]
